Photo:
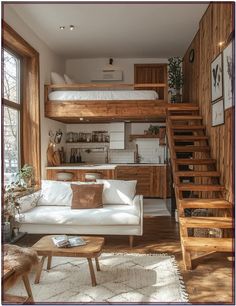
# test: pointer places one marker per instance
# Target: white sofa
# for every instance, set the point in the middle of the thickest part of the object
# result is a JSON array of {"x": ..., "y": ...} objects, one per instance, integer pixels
[{"x": 49, "y": 212}]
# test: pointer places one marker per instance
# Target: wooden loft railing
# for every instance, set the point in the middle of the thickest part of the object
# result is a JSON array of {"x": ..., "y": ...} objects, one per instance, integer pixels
[
  {"x": 196, "y": 185},
  {"x": 104, "y": 86}
]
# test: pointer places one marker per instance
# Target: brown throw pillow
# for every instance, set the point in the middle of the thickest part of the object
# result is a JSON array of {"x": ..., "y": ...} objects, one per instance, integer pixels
[{"x": 87, "y": 196}]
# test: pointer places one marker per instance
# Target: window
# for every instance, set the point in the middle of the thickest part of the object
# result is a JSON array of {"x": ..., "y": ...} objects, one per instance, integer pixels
[
  {"x": 12, "y": 114},
  {"x": 21, "y": 106}
]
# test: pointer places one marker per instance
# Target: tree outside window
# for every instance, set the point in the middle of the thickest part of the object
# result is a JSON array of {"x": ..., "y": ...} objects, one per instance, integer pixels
[{"x": 12, "y": 115}]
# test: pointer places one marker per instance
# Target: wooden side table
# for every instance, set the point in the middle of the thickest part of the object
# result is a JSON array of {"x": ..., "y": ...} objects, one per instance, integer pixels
[{"x": 46, "y": 248}]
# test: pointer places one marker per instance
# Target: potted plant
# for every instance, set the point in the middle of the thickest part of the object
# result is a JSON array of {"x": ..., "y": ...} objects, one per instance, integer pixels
[
  {"x": 153, "y": 129},
  {"x": 25, "y": 176},
  {"x": 175, "y": 78},
  {"x": 21, "y": 185}
]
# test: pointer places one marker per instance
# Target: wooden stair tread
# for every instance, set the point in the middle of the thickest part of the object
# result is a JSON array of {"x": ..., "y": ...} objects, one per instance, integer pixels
[
  {"x": 193, "y": 161},
  {"x": 189, "y": 137},
  {"x": 198, "y": 173},
  {"x": 185, "y": 117},
  {"x": 206, "y": 222},
  {"x": 199, "y": 187},
  {"x": 205, "y": 203},
  {"x": 208, "y": 244},
  {"x": 188, "y": 127},
  {"x": 182, "y": 106},
  {"x": 190, "y": 148}
]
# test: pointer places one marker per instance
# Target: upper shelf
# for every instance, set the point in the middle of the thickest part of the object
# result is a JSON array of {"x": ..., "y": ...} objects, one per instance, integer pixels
[{"x": 134, "y": 136}]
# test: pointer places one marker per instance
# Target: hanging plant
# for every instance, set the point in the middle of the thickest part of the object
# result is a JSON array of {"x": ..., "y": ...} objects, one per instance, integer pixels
[{"x": 175, "y": 78}]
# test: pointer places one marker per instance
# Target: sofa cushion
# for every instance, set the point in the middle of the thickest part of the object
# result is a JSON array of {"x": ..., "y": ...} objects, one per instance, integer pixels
[
  {"x": 55, "y": 193},
  {"x": 118, "y": 192},
  {"x": 86, "y": 196},
  {"x": 64, "y": 215}
]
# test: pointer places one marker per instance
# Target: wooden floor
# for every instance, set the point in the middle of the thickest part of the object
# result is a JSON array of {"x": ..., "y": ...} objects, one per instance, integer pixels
[{"x": 209, "y": 282}]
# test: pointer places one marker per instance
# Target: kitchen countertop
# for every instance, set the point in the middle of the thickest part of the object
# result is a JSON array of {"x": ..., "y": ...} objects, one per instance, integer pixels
[{"x": 97, "y": 166}]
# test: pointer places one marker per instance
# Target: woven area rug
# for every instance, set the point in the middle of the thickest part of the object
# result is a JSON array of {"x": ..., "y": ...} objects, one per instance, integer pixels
[{"x": 137, "y": 278}]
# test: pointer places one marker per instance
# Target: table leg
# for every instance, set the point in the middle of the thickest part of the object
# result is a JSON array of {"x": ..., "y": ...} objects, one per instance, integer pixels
[
  {"x": 49, "y": 262},
  {"x": 92, "y": 274},
  {"x": 39, "y": 270},
  {"x": 97, "y": 264},
  {"x": 27, "y": 286}
]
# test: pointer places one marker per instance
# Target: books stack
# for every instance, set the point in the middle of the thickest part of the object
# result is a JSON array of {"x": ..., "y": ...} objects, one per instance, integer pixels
[{"x": 65, "y": 241}]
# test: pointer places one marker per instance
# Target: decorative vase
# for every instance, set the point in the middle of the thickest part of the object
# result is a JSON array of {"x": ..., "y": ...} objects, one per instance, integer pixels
[
  {"x": 7, "y": 233},
  {"x": 178, "y": 96}
]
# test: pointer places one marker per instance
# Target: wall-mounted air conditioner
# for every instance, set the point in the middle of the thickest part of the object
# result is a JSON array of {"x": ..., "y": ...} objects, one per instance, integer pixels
[{"x": 107, "y": 75}]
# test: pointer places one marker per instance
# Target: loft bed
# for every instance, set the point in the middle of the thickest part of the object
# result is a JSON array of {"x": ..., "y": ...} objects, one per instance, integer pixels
[{"x": 100, "y": 102}]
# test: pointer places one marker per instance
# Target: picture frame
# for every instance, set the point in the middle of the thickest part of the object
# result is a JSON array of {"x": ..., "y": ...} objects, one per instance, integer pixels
[
  {"x": 217, "y": 78},
  {"x": 228, "y": 76},
  {"x": 218, "y": 116}
]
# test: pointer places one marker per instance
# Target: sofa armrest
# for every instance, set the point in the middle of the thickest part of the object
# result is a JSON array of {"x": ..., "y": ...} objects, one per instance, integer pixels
[
  {"x": 29, "y": 201},
  {"x": 138, "y": 203}
]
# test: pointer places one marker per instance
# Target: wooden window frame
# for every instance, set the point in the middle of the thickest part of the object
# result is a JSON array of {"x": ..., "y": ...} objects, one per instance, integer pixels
[{"x": 30, "y": 136}]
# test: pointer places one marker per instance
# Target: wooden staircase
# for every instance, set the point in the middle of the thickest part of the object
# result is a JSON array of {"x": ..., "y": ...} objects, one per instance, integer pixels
[{"x": 197, "y": 186}]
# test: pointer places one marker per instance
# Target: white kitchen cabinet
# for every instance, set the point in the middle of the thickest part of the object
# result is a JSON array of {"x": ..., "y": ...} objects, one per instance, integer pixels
[{"x": 117, "y": 135}]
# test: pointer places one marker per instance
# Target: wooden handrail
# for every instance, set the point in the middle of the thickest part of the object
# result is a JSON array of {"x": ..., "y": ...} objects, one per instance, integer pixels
[{"x": 105, "y": 85}]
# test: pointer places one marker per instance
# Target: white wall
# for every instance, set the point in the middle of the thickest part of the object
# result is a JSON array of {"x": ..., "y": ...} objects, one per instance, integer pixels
[
  {"x": 49, "y": 61},
  {"x": 82, "y": 69}
]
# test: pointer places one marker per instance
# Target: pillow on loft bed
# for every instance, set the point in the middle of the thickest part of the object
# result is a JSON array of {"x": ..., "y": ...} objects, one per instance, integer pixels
[
  {"x": 56, "y": 78},
  {"x": 68, "y": 80}
]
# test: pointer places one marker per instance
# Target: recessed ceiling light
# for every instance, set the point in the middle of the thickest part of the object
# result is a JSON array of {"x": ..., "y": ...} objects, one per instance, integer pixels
[
  {"x": 81, "y": 119},
  {"x": 62, "y": 27},
  {"x": 72, "y": 27}
]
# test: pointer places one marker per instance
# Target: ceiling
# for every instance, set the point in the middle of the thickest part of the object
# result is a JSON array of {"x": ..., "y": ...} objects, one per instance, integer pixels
[{"x": 114, "y": 30}]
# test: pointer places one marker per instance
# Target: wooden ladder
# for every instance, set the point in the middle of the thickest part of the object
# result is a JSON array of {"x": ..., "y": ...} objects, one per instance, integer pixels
[{"x": 196, "y": 185}]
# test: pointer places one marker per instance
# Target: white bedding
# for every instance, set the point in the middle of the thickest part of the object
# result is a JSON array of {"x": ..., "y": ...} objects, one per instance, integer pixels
[{"x": 103, "y": 95}]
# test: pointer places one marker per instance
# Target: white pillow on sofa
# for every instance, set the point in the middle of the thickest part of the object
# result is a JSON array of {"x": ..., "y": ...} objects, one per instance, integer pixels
[
  {"x": 29, "y": 201},
  {"x": 118, "y": 192},
  {"x": 55, "y": 193},
  {"x": 56, "y": 78}
]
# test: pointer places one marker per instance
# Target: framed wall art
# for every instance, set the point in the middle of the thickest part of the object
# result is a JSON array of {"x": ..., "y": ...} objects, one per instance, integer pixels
[
  {"x": 217, "y": 109},
  {"x": 216, "y": 78},
  {"x": 228, "y": 75}
]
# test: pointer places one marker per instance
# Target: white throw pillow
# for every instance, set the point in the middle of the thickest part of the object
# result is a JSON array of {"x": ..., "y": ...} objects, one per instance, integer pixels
[
  {"x": 56, "y": 78},
  {"x": 118, "y": 192},
  {"x": 55, "y": 193},
  {"x": 29, "y": 201},
  {"x": 68, "y": 80}
]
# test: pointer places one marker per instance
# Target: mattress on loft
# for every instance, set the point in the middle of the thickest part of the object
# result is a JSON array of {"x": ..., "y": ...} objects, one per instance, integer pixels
[{"x": 103, "y": 95}]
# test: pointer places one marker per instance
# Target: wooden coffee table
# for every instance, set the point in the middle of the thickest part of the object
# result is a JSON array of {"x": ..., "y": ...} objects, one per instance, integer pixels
[{"x": 46, "y": 248}]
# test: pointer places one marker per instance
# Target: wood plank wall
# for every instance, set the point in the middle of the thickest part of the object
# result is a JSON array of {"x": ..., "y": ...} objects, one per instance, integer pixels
[{"x": 216, "y": 25}]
